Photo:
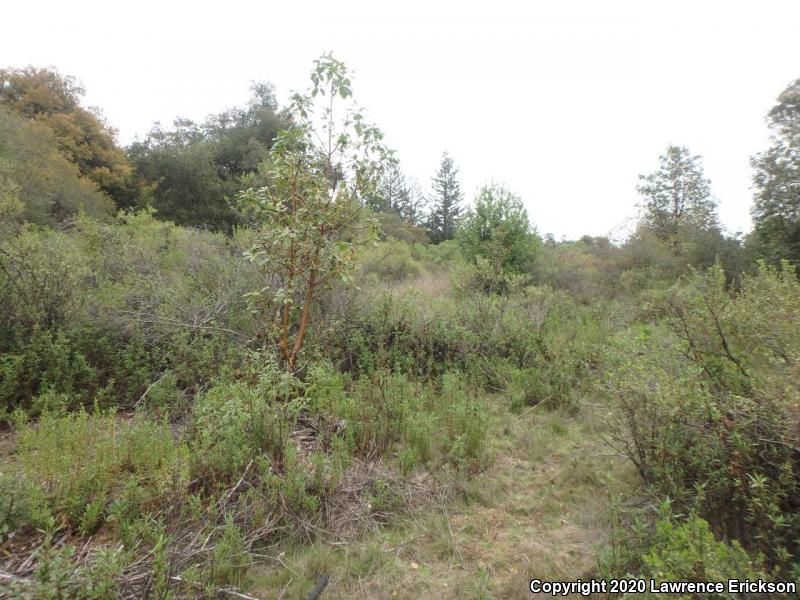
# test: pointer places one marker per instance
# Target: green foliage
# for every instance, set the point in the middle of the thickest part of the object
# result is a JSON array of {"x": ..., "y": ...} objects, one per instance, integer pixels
[
  {"x": 45, "y": 373},
  {"x": 105, "y": 310},
  {"x": 235, "y": 422},
  {"x": 466, "y": 422},
  {"x": 393, "y": 225},
  {"x": 389, "y": 262},
  {"x": 534, "y": 343},
  {"x": 49, "y": 187},
  {"x": 56, "y": 576},
  {"x": 393, "y": 195},
  {"x": 143, "y": 363},
  {"x": 589, "y": 268},
  {"x": 230, "y": 559},
  {"x": 53, "y": 102},
  {"x": 400, "y": 332},
  {"x": 674, "y": 549},
  {"x": 445, "y": 203},
  {"x": 424, "y": 424},
  {"x": 81, "y": 466},
  {"x": 497, "y": 230},
  {"x": 705, "y": 405},
  {"x": 776, "y": 211},
  {"x": 193, "y": 170},
  {"x": 677, "y": 196},
  {"x": 309, "y": 211}
]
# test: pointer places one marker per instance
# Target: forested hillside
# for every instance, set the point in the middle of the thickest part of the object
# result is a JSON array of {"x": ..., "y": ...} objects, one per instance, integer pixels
[{"x": 249, "y": 358}]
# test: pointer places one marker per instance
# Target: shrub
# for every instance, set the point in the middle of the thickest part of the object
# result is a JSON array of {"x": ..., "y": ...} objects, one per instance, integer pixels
[
  {"x": 57, "y": 576},
  {"x": 78, "y": 466},
  {"x": 403, "y": 333},
  {"x": 706, "y": 406},
  {"x": 234, "y": 422},
  {"x": 389, "y": 262},
  {"x": 496, "y": 235},
  {"x": 44, "y": 369},
  {"x": 229, "y": 560},
  {"x": 666, "y": 547}
]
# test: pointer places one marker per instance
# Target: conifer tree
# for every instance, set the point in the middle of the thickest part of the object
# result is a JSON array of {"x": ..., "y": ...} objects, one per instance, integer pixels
[{"x": 445, "y": 203}]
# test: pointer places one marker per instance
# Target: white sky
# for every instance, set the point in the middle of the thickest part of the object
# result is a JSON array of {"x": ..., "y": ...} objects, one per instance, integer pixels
[{"x": 564, "y": 101}]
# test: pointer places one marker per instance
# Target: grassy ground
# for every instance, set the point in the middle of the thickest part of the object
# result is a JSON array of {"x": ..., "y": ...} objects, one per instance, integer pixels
[{"x": 540, "y": 510}]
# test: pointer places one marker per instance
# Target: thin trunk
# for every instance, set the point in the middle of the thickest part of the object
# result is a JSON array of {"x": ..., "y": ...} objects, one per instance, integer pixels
[
  {"x": 304, "y": 318},
  {"x": 285, "y": 331}
]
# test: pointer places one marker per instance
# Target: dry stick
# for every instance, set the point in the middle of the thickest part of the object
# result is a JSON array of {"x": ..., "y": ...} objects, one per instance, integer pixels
[
  {"x": 282, "y": 593},
  {"x": 285, "y": 566},
  {"x": 154, "y": 319},
  {"x": 149, "y": 387},
  {"x": 450, "y": 529},
  {"x": 9, "y": 577},
  {"x": 400, "y": 545},
  {"x": 236, "y": 594},
  {"x": 235, "y": 488}
]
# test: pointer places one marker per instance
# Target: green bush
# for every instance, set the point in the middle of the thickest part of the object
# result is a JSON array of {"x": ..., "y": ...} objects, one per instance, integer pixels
[
  {"x": 389, "y": 262},
  {"x": 466, "y": 420},
  {"x": 229, "y": 560},
  {"x": 56, "y": 575},
  {"x": 671, "y": 549},
  {"x": 705, "y": 406},
  {"x": 234, "y": 422},
  {"x": 101, "y": 311},
  {"x": 401, "y": 333},
  {"x": 390, "y": 413},
  {"x": 77, "y": 467},
  {"x": 689, "y": 552},
  {"x": 48, "y": 363}
]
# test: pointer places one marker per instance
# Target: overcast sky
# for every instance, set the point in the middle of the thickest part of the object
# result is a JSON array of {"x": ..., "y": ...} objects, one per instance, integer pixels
[{"x": 566, "y": 102}]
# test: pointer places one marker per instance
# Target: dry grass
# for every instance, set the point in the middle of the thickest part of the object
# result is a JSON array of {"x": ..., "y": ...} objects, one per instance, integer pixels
[
  {"x": 431, "y": 284},
  {"x": 540, "y": 511}
]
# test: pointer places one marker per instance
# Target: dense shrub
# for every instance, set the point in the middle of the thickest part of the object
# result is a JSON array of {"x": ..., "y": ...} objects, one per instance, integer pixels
[
  {"x": 385, "y": 413},
  {"x": 389, "y": 262},
  {"x": 103, "y": 311},
  {"x": 671, "y": 548},
  {"x": 707, "y": 406},
  {"x": 81, "y": 468},
  {"x": 235, "y": 422}
]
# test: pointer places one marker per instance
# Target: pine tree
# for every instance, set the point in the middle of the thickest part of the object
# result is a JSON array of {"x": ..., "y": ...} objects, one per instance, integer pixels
[{"x": 445, "y": 202}]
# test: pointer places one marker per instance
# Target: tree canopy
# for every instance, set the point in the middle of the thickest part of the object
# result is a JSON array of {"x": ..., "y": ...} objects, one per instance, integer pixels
[
  {"x": 776, "y": 211},
  {"x": 194, "y": 169},
  {"x": 82, "y": 136},
  {"x": 49, "y": 187},
  {"x": 497, "y": 230},
  {"x": 677, "y": 195}
]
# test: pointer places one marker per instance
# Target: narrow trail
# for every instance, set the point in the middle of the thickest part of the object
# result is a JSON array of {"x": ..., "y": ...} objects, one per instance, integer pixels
[{"x": 540, "y": 510}]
